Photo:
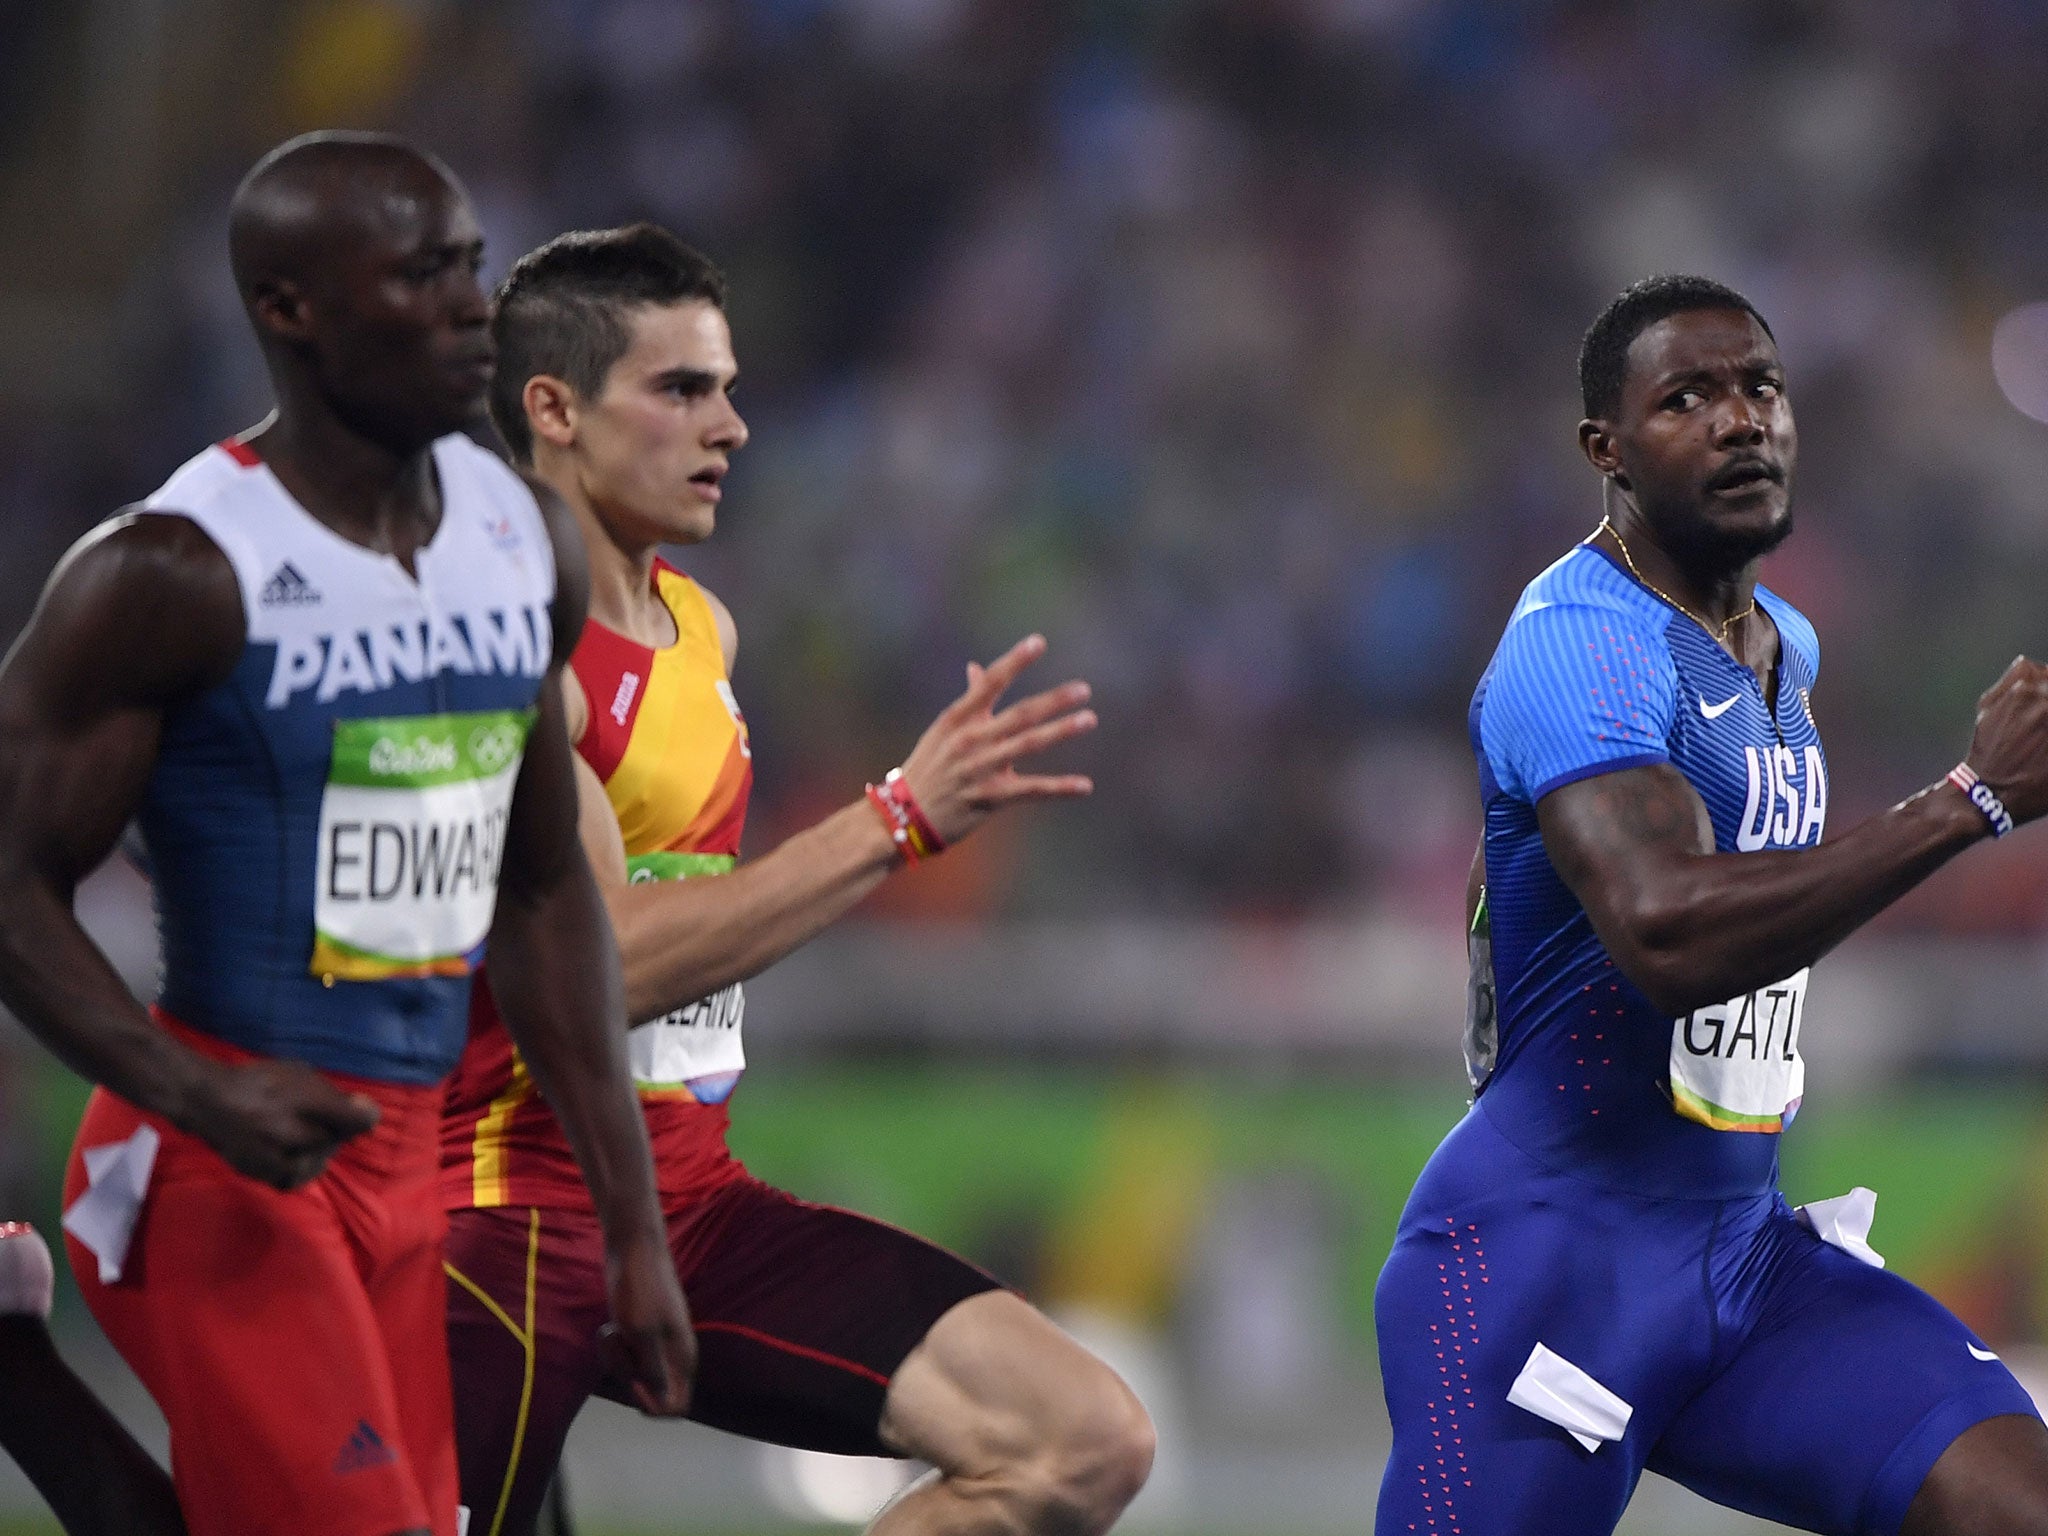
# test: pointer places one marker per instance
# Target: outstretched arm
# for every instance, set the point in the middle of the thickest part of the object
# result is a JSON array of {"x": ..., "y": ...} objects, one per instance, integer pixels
[
  {"x": 1690, "y": 926},
  {"x": 143, "y": 613},
  {"x": 683, "y": 939}
]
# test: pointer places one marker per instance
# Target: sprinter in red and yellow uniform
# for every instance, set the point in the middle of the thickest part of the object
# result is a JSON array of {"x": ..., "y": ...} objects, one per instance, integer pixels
[
  {"x": 672, "y": 756},
  {"x": 816, "y": 1327}
]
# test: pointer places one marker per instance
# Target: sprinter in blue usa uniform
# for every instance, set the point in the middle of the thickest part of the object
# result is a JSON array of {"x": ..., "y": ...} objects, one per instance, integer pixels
[{"x": 1596, "y": 1273}]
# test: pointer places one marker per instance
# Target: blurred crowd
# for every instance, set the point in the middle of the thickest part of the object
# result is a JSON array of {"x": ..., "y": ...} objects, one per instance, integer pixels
[{"x": 1230, "y": 343}]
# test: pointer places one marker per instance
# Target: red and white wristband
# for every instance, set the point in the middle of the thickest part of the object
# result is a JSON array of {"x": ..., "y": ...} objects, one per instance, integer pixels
[
  {"x": 908, "y": 826},
  {"x": 1964, "y": 777}
]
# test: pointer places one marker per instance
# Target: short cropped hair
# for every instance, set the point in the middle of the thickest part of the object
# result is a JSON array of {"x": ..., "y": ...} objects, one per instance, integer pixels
[
  {"x": 562, "y": 311},
  {"x": 1603, "y": 355}
]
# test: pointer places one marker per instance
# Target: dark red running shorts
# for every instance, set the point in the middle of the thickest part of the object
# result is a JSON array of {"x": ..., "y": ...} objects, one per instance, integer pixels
[{"x": 803, "y": 1313}]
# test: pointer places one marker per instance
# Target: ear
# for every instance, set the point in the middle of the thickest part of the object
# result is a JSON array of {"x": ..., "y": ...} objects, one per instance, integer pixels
[
  {"x": 1597, "y": 443},
  {"x": 280, "y": 308},
  {"x": 550, "y": 409}
]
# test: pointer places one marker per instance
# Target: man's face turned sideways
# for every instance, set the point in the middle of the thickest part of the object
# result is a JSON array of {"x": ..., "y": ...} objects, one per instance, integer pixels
[
  {"x": 649, "y": 453},
  {"x": 1706, "y": 437}
]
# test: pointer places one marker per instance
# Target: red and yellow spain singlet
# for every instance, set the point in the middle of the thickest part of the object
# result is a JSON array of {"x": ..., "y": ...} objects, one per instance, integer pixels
[{"x": 666, "y": 737}]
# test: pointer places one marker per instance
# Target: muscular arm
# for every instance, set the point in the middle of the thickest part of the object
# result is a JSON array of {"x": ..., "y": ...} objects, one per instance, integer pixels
[
  {"x": 143, "y": 613},
  {"x": 555, "y": 973},
  {"x": 1691, "y": 926},
  {"x": 78, "y": 736},
  {"x": 680, "y": 940},
  {"x": 684, "y": 939}
]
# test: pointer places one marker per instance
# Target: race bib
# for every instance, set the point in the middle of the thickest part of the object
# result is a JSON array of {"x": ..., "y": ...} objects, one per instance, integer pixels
[
  {"x": 1735, "y": 1066},
  {"x": 412, "y": 835},
  {"x": 696, "y": 1048}
]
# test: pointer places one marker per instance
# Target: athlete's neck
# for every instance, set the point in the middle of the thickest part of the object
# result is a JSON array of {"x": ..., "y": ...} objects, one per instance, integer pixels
[
  {"x": 1713, "y": 597},
  {"x": 622, "y": 592},
  {"x": 385, "y": 499}
]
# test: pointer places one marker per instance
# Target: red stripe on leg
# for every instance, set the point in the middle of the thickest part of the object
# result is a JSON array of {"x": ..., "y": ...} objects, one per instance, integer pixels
[{"x": 788, "y": 1347}]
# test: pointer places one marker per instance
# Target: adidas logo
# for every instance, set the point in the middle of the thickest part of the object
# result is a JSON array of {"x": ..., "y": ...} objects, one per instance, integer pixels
[
  {"x": 364, "y": 1449},
  {"x": 288, "y": 588}
]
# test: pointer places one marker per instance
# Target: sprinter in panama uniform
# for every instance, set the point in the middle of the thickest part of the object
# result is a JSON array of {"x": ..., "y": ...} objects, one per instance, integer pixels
[
  {"x": 320, "y": 670},
  {"x": 818, "y": 1327},
  {"x": 324, "y": 830},
  {"x": 1596, "y": 1273}
]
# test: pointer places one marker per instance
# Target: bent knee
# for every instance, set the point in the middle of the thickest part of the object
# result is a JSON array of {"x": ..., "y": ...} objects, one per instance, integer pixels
[
  {"x": 1125, "y": 1448},
  {"x": 1097, "y": 1460}
]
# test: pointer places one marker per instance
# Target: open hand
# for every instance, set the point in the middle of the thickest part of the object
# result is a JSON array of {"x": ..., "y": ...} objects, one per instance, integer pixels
[{"x": 963, "y": 768}]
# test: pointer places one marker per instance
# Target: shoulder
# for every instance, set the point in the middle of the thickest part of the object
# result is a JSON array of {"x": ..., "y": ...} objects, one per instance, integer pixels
[
  {"x": 728, "y": 631},
  {"x": 206, "y": 477},
  {"x": 1584, "y": 611},
  {"x": 572, "y": 565},
  {"x": 721, "y": 616},
  {"x": 1795, "y": 631},
  {"x": 158, "y": 554},
  {"x": 1584, "y": 578},
  {"x": 503, "y": 487},
  {"x": 1583, "y": 681},
  {"x": 148, "y": 596},
  {"x": 465, "y": 452}
]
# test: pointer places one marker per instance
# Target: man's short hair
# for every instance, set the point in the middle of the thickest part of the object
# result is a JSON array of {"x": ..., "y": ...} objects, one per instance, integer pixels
[
  {"x": 562, "y": 311},
  {"x": 1603, "y": 355}
]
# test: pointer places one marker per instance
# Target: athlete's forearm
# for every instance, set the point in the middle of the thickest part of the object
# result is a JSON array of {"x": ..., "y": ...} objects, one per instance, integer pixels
[
  {"x": 59, "y": 984},
  {"x": 680, "y": 940},
  {"x": 1705, "y": 927},
  {"x": 555, "y": 976}
]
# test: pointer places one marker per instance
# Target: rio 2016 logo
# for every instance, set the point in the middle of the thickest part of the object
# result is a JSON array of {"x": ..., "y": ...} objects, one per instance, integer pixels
[
  {"x": 422, "y": 754},
  {"x": 491, "y": 747}
]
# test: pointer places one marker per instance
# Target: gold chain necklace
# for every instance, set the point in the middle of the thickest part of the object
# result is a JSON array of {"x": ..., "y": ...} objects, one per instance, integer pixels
[{"x": 1719, "y": 633}]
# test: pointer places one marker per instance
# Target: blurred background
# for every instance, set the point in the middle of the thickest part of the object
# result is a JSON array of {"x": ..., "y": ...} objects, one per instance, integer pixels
[{"x": 1231, "y": 344}]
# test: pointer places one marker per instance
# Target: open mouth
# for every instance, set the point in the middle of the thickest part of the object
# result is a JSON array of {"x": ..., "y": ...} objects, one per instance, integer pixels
[
  {"x": 708, "y": 481},
  {"x": 1745, "y": 476}
]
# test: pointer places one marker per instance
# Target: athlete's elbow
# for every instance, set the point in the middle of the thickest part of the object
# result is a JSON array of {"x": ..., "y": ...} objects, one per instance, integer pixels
[
  {"x": 1678, "y": 981},
  {"x": 1671, "y": 991},
  {"x": 1658, "y": 949},
  {"x": 645, "y": 998},
  {"x": 32, "y": 901}
]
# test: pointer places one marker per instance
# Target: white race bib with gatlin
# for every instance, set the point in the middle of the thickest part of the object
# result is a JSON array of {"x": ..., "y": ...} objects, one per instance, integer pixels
[{"x": 1735, "y": 1066}]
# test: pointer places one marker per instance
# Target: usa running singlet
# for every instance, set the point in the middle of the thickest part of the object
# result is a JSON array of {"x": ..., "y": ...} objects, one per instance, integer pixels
[
  {"x": 1593, "y": 675},
  {"x": 1595, "y": 1274},
  {"x": 666, "y": 737},
  {"x": 325, "y": 827}
]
